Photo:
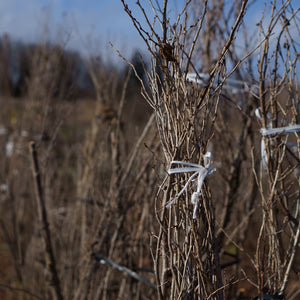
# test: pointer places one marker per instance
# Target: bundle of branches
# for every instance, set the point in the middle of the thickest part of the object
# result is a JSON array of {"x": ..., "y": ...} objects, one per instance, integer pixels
[{"x": 200, "y": 113}]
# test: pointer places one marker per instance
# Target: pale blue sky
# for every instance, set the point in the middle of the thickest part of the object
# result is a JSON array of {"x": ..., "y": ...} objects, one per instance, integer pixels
[{"x": 86, "y": 25}]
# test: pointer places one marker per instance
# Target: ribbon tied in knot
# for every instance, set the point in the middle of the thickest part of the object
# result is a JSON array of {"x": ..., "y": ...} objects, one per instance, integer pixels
[{"x": 199, "y": 171}]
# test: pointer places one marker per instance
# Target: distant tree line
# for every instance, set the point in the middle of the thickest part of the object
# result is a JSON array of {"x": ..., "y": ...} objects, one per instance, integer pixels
[{"x": 24, "y": 65}]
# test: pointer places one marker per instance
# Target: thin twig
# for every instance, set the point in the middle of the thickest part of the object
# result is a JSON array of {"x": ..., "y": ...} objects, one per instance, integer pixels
[
  {"x": 42, "y": 211},
  {"x": 121, "y": 268}
]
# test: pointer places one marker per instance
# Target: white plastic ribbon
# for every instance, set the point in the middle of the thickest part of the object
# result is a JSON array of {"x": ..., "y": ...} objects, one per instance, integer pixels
[
  {"x": 263, "y": 151},
  {"x": 230, "y": 84},
  {"x": 270, "y": 131},
  {"x": 199, "y": 170},
  {"x": 199, "y": 78},
  {"x": 257, "y": 114},
  {"x": 282, "y": 130}
]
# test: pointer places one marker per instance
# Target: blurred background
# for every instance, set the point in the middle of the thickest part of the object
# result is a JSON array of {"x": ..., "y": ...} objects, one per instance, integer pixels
[{"x": 85, "y": 26}]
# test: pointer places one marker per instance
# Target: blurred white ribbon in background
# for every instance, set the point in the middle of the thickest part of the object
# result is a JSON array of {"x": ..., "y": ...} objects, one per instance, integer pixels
[
  {"x": 235, "y": 86},
  {"x": 199, "y": 170}
]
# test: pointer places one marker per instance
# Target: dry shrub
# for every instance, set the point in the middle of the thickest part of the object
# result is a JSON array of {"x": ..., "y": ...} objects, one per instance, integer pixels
[{"x": 246, "y": 230}]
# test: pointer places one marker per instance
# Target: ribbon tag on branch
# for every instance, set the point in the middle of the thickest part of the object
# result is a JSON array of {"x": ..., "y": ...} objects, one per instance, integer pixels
[
  {"x": 273, "y": 131},
  {"x": 197, "y": 170},
  {"x": 233, "y": 85},
  {"x": 263, "y": 151},
  {"x": 282, "y": 130}
]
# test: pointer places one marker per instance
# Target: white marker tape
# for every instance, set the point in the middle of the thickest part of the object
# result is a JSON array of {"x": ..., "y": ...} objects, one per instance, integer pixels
[
  {"x": 201, "y": 171},
  {"x": 272, "y": 131},
  {"x": 282, "y": 130},
  {"x": 235, "y": 86}
]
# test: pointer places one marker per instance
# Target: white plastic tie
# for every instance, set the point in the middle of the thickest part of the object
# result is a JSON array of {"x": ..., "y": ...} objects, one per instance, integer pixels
[
  {"x": 263, "y": 151},
  {"x": 272, "y": 131},
  {"x": 282, "y": 130},
  {"x": 235, "y": 86},
  {"x": 197, "y": 170}
]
